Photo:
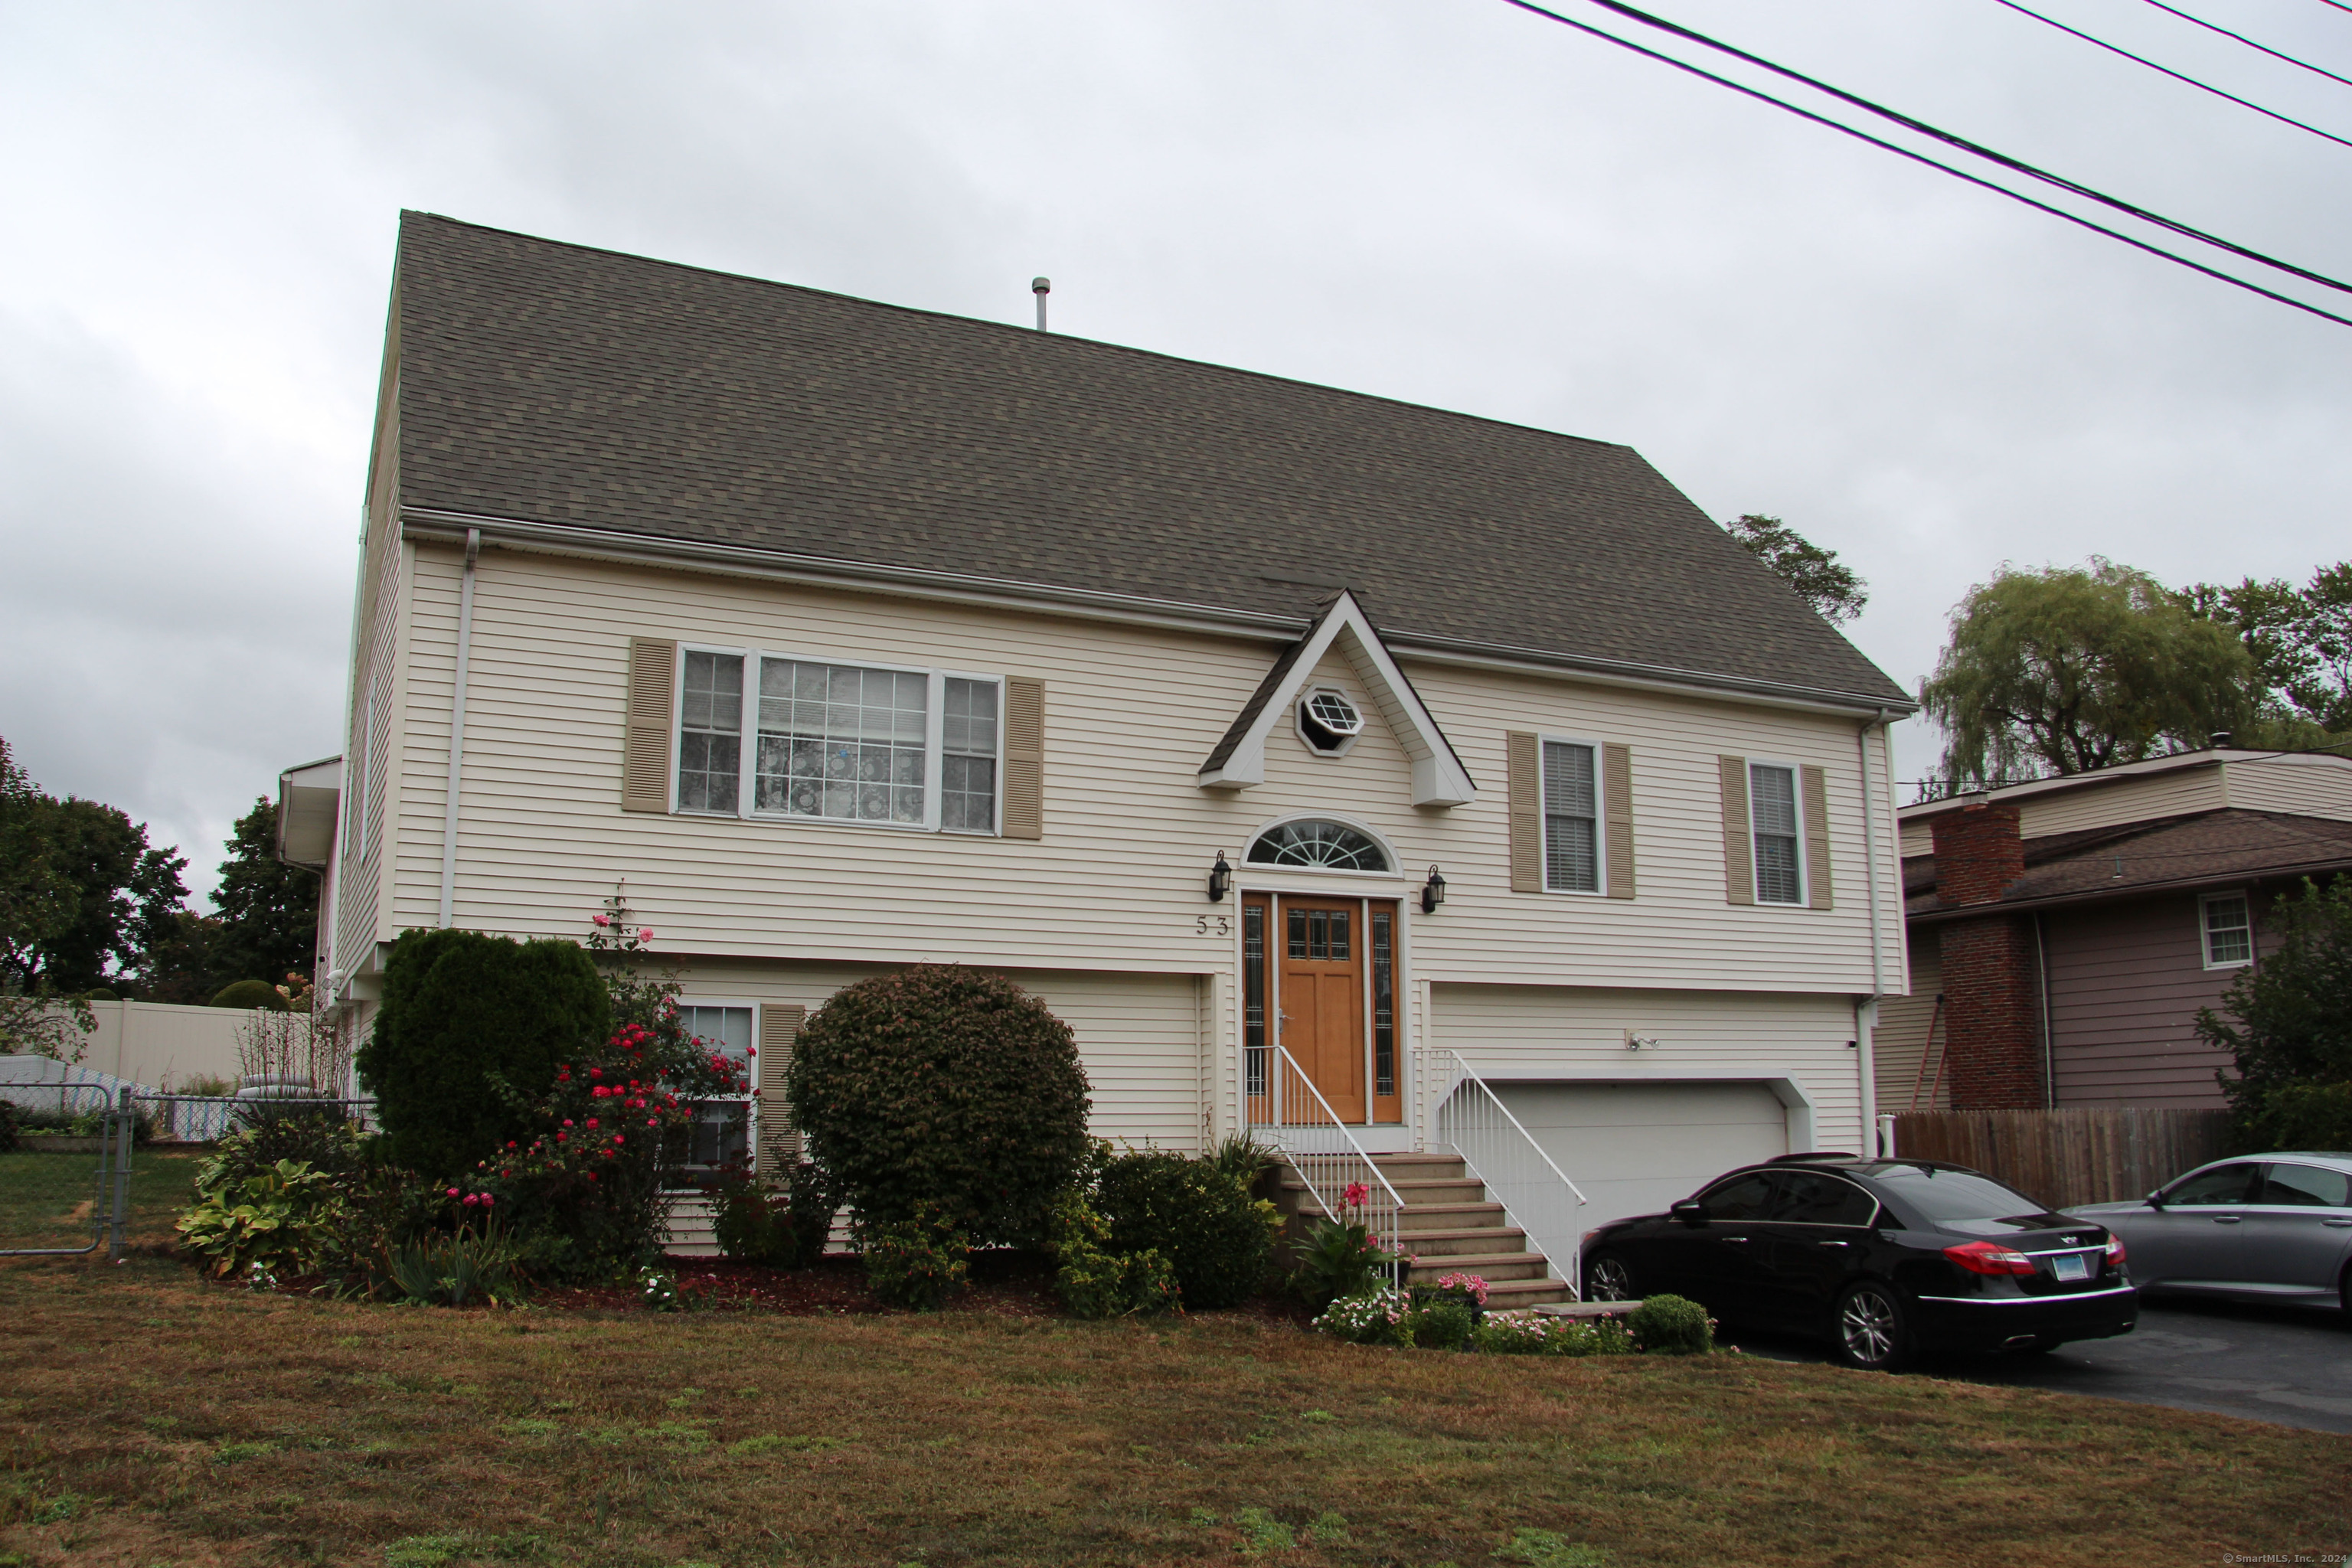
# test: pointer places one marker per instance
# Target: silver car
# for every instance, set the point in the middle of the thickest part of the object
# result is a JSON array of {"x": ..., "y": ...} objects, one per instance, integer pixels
[{"x": 2263, "y": 1227}]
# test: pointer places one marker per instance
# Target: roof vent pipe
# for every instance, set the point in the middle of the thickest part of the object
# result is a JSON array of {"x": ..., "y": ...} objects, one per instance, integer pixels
[{"x": 1041, "y": 287}]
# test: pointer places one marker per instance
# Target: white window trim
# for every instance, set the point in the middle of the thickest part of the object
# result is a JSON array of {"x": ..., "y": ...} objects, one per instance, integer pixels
[
  {"x": 1307, "y": 694},
  {"x": 1805, "y": 898},
  {"x": 1250, "y": 868},
  {"x": 1600, "y": 889},
  {"x": 750, "y": 1116},
  {"x": 2205, "y": 932},
  {"x": 748, "y": 748}
]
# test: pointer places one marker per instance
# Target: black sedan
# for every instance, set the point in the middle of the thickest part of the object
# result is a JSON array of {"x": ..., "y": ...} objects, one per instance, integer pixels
[{"x": 1884, "y": 1259}]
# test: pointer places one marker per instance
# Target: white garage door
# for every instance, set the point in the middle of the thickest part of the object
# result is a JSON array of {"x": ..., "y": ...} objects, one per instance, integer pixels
[{"x": 1636, "y": 1148}]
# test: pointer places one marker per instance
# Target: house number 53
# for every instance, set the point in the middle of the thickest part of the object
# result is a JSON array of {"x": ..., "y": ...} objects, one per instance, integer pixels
[{"x": 1201, "y": 925}]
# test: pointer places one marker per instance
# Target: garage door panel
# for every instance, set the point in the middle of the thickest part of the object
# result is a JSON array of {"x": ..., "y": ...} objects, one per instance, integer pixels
[{"x": 1637, "y": 1148}]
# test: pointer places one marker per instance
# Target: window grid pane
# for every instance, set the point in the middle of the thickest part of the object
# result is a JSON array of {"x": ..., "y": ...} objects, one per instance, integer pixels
[
  {"x": 1572, "y": 828},
  {"x": 2229, "y": 934},
  {"x": 1772, "y": 818},
  {"x": 968, "y": 769},
  {"x": 841, "y": 742},
  {"x": 710, "y": 732}
]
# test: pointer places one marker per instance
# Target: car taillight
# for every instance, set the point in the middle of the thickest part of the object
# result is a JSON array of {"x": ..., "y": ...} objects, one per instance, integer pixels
[
  {"x": 1989, "y": 1257},
  {"x": 2115, "y": 1251}
]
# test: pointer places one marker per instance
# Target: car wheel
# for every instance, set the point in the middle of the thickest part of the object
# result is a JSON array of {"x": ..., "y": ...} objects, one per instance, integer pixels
[
  {"x": 2038, "y": 1347},
  {"x": 1607, "y": 1278},
  {"x": 1871, "y": 1331}
]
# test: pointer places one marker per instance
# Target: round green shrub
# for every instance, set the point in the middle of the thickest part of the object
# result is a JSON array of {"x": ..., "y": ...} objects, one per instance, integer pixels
[
  {"x": 1671, "y": 1325},
  {"x": 249, "y": 994},
  {"x": 1195, "y": 1214},
  {"x": 946, "y": 1086},
  {"x": 470, "y": 1031}
]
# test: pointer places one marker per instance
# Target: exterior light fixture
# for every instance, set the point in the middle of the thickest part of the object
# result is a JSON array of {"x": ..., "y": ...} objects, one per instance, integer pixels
[
  {"x": 1221, "y": 877},
  {"x": 1432, "y": 892}
]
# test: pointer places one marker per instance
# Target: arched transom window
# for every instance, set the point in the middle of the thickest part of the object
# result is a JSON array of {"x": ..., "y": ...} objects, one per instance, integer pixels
[{"x": 1314, "y": 841}]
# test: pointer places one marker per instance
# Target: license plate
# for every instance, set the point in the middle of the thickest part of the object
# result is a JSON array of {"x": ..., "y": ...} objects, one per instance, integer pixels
[{"x": 2073, "y": 1267}]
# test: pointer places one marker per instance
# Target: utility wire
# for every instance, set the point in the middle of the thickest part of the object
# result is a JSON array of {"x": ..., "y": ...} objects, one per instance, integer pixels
[
  {"x": 1964, "y": 144},
  {"x": 2249, "y": 42},
  {"x": 1902, "y": 152},
  {"x": 2175, "y": 75}
]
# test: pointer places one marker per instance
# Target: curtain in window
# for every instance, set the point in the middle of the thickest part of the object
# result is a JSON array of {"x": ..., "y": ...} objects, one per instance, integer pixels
[
  {"x": 968, "y": 760},
  {"x": 841, "y": 742},
  {"x": 710, "y": 732}
]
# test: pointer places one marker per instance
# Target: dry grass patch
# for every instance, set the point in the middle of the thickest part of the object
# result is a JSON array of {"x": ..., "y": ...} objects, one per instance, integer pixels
[{"x": 152, "y": 1419}]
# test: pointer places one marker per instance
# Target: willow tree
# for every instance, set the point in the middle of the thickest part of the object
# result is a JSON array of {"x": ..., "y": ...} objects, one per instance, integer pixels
[{"x": 2073, "y": 668}]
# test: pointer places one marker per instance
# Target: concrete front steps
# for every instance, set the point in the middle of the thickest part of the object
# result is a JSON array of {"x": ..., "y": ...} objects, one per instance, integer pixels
[{"x": 1448, "y": 1227}]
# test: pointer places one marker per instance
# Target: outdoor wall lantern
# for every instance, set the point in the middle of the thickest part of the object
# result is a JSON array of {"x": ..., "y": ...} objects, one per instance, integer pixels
[
  {"x": 1221, "y": 877},
  {"x": 1432, "y": 892}
]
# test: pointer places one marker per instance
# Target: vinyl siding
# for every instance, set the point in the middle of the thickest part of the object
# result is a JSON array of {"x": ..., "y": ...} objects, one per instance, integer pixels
[
  {"x": 1139, "y": 1035},
  {"x": 1116, "y": 882},
  {"x": 2312, "y": 786},
  {"x": 379, "y": 724},
  {"x": 1900, "y": 1043},
  {"x": 1532, "y": 1033},
  {"x": 2125, "y": 982},
  {"x": 2105, "y": 804}
]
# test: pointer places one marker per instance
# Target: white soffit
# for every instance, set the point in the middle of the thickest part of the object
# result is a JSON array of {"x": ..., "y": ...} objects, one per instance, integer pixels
[{"x": 1438, "y": 776}]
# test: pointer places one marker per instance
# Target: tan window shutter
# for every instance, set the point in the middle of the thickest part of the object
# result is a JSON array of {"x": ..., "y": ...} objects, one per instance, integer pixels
[
  {"x": 780, "y": 1142},
  {"x": 1817, "y": 839},
  {"x": 645, "y": 761},
  {"x": 1524, "y": 767},
  {"x": 1617, "y": 786},
  {"x": 1024, "y": 758},
  {"x": 1739, "y": 851}
]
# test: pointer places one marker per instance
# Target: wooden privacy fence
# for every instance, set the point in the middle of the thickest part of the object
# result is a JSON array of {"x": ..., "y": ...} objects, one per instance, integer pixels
[{"x": 2085, "y": 1155}]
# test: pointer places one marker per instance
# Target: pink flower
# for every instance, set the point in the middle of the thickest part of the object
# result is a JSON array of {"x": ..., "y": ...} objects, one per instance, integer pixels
[
  {"x": 452, "y": 1192},
  {"x": 592, "y": 1122},
  {"x": 653, "y": 1121},
  {"x": 1356, "y": 1195},
  {"x": 618, "y": 1139},
  {"x": 567, "y": 1121},
  {"x": 602, "y": 919},
  {"x": 645, "y": 934},
  {"x": 487, "y": 1200}
]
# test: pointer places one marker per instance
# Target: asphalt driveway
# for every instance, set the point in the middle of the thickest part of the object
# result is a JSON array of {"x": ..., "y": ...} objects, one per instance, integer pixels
[{"x": 2262, "y": 1364}]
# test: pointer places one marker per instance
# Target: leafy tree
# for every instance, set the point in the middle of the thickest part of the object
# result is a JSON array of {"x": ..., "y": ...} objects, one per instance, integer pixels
[
  {"x": 1833, "y": 591},
  {"x": 38, "y": 902},
  {"x": 126, "y": 895},
  {"x": 269, "y": 910},
  {"x": 180, "y": 966},
  {"x": 2074, "y": 668},
  {"x": 2289, "y": 1027},
  {"x": 2301, "y": 643}
]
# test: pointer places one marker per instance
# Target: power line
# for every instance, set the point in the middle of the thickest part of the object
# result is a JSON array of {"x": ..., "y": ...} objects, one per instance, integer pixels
[
  {"x": 1901, "y": 151},
  {"x": 2249, "y": 42},
  {"x": 1962, "y": 142},
  {"x": 2192, "y": 81}
]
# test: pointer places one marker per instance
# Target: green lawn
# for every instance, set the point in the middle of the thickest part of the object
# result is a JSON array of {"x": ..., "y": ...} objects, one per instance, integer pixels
[
  {"x": 151, "y": 1419},
  {"x": 44, "y": 1199}
]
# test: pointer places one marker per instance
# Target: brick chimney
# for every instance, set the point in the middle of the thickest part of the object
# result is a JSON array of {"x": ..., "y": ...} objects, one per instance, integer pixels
[{"x": 1992, "y": 1015}]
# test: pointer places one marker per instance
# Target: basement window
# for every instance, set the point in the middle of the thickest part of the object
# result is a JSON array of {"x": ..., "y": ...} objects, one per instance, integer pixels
[{"x": 1328, "y": 723}]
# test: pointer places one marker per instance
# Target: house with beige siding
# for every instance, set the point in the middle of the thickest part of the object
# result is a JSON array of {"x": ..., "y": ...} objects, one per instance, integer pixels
[
  {"x": 2065, "y": 932},
  {"x": 1328, "y": 763}
]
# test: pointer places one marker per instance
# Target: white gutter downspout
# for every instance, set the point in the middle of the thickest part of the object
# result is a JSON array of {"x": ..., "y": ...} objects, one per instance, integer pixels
[
  {"x": 457, "y": 732},
  {"x": 1866, "y": 1013}
]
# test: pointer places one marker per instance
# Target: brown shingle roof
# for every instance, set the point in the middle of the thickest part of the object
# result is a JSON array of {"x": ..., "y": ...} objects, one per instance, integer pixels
[
  {"x": 2202, "y": 850},
  {"x": 560, "y": 385}
]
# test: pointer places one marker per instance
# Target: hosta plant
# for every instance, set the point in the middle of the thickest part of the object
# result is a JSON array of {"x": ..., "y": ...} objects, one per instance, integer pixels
[{"x": 285, "y": 1218}]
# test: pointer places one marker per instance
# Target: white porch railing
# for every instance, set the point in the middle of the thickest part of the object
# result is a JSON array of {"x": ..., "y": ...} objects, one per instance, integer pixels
[
  {"x": 1287, "y": 1107},
  {"x": 1535, "y": 1195}
]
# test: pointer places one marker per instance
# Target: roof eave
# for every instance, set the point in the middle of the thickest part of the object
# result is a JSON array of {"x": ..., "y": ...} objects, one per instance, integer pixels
[{"x": 613, "y": 544}]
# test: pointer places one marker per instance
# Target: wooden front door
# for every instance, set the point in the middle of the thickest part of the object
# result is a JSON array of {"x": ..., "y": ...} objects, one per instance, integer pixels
[
  {"x": 1318, "y": 979},
  {"x": 1321, "y": 997}
]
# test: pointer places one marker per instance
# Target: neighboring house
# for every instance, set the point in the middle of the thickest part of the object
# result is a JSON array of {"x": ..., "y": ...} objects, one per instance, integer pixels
[
  {"x": 2064, "y": 933},
  {"x": 853, "y": 636}
]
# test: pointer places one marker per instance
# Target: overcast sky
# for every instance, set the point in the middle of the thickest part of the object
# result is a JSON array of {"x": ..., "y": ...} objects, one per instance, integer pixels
[{"x": 1447, "y": 200}]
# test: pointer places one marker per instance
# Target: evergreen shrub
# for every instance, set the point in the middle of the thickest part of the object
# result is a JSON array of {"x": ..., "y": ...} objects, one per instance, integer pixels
[
  {"x": 944, "y": 1085},
  {"x": 1671, "y": 1325},
  {"x": 249, "y": 994},
  {"x": 1196, "y": 1213},
  {"x": 469, "y": 1034},
  {"x": 916, "y": 1262}
]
